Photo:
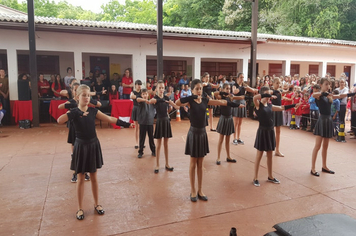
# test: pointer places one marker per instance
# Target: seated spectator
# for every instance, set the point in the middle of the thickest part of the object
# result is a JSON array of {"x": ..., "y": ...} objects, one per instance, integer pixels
[
  {"x": 176, "y": 95},
  {"x": 184, "y": 80},
  {"x": 113, "y": 93},
  {"x": 170, "y": 93},
  {"x": 43, "y": 87},
  {"x": 186, "y": 92},
  {"x": 58, "y": 86},
  {"x": 99, "y": 86},
  {"x": 68, "y": 77},
  {"x": 335, "y": 109},
  {"x": 24, "y": 88}
]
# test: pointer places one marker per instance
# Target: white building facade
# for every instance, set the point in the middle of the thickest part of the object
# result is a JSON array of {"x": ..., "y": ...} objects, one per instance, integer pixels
[{"x": 76, "y": 44}]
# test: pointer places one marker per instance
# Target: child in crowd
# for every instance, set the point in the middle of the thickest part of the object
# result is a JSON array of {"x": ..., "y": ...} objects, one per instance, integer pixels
[
  {"x": 288, "y": 100},
  {"x": 335, "y": 109},
  {"x": 146, "y": 113},
  {"x": 121, "y": 90},
  {"x": 113, "y": 93},
  {"x": 176, "y": 95},
  {"x": 87, "y": 155},
  {"x": 324, "y": 125},
  {"x": 305, "y": 110},
  {"x": 163, "y": 124},
  {"x": 197, "y": 145},
  {"x": 265, "y": 136},
  {"x": 135, "y": 110},
  {"x": 2, "y": 113},
  {"x": 314, "y": 109},
  {"x": 296, "y": 111},
  {"x": 226, "y": 124}
]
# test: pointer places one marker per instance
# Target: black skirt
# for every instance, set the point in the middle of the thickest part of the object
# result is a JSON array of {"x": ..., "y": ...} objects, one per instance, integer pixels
[
  {"x": 71, "y": 132},
  {"x": 163, "y": 128},
  {"x": 225, "y": 125},
  {"x": 134, "y": 114},
  {"x": 239, "y": 112},
  {"x": 265, "y": 139},
  {"x": 324, "y": 126},
  {"x": 197, "y": 144},
  {"x": 87, "y": 156},
  {"x": 277, "y": 118}
]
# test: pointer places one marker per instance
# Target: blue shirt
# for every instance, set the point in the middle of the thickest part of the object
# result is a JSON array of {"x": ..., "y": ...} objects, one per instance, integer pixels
[
  {"x": 188, "y": 93},
  {"x": 182, "y": 81},
  {"x": 313, "y": 105},
  {"x": 335, "y": 107}
]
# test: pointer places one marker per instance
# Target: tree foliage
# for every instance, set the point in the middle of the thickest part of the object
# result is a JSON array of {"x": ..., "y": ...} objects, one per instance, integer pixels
[{"x": 318, "y": 18}]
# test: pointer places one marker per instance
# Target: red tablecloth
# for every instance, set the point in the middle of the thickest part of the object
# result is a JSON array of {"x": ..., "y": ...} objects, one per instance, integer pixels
[
  {"x": 53, "y": 108},
  {"x": 121, "y": 108},
  {"x": 22, "y": 111}
]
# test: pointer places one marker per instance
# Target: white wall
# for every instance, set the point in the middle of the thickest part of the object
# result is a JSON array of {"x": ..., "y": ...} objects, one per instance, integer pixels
[{"x": 140, "y": 48}]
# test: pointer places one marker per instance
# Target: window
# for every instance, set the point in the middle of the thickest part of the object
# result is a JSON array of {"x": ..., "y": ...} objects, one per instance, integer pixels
[
  {"x": 3, "y": 62},
  {"x": 218, "y": 68},
  {"x": 294, "y": 69},
  {"x": 169, "y": 66},
  {"x": 275, "y": 69},
  {"x": 45, "y": 64},
  {"x": 313, "y": 69},
  {"x": 331, "y": 69}
]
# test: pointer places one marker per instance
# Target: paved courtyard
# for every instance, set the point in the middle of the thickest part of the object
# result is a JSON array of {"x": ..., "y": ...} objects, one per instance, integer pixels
[{"x": 37, "y": 197}]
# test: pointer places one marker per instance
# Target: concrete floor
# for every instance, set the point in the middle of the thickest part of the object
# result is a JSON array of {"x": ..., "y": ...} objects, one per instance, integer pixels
[{"x": 37, "y": 197}]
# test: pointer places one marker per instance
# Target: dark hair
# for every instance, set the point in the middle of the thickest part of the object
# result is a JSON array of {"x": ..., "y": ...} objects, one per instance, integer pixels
[
  {"x": 69, "y": 68},
  {"x": 75, "y": 84},
  {"x": 195, "y": 82},
  {"x": 91, "y": 72},
  {"x": 22, "y": 75},
  {"x": 306, "y": 94},
  {"x": 317, "y": 86},
  {"x": 138, "y": 82},
  {"x": 144, "y": 90},
  {"x": 225, "y": 85},
  {"x": 238, "y": 75},
  {"x": 72, "y": 79},
  {"x": 336, "y": 92},
  {"x": 61, "y": 83},
  {"x": 322, "y": 81},
  {"x": 111, "y": 91},
  {"x": 40, "y": 74},
  {"x": 264, "y": 89},
  {"x": 205, "y": 74}
]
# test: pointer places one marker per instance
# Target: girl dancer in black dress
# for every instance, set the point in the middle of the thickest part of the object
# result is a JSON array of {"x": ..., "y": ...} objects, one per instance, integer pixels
[
  {"x": 163, "y": 125},
  {"x": 265, "y": 136},
  {"x": 197, "y": 145},
  {"x": 226, "y": 124},
  {"x": 207, "y": 89},
  {"x": 72, "y": 103},
  {"x": 134, "y": 116},
  {"x": 324, "y": 125},
  {"x": 239, "y": 89},
  {"x": 87, "y": 155}
]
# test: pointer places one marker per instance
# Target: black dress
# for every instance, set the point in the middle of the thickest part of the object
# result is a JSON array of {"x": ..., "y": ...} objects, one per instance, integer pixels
[
  {"x": 135, "y": 109},
  {"x": 70, "y": 125},
  {"x": 197, "y": 140},
  {"x": 277, "y": 115},
  {"x": 324, "y": 124},
  {"x": 163, "y": 125},
  {"x": 226, "y": 123},
  {"x": 87, "y": 156},
  {"x": 265, "y": 136},
  {"x": 207, "y": 90},
  {"x": 240, "y": 112}
]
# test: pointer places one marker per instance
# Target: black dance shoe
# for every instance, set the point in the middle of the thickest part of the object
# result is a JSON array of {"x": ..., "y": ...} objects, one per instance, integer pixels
[
  {"x": 80, "y": 217},
  {"x": 204, "y": 198},
  {"x": 153, "y": 154},
  {"x": 156, "y": 171},
  {"x": 140, "y": 155},
  {"x": 231, "y": 160},
  {"x": 218, "y": 162},
  {"x": 193, "y": 199},
  {"x": 136, "y": 147},
  {"x": 100, "y": 212},
  {"x": 315, "y": 173},
  {"x": 327, "y": 171},
  {"x": 169, "y": 168},
  {"x": 213, "y": 130}
]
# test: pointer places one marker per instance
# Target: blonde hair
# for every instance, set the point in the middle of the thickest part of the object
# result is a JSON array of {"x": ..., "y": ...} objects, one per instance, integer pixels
[{"x": 81, "y": 88}]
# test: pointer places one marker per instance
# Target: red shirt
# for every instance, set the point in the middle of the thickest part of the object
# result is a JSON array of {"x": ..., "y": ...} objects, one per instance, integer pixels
[
  {"x": 296, "y": 111},
  {"x": 58, "y": 90},
  {"x": 305, "y": 107},
  {"x": 289, "y": 95},
  {"x": 43, "y": 87},
  {"x": 176, "y": 96},
  {"x": 128, "y": 81},
  {"x": 114, "y": 96}
]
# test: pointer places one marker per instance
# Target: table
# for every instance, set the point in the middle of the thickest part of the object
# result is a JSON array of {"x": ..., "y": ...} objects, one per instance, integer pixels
[
  {"x": 121, "y": 108},
  {"x": 53, "y": 108},
  {"x": 22, "y": 110}
]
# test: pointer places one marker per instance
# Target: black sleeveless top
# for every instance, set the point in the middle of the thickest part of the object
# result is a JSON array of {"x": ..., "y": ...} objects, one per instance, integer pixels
[
  {"x": 161, "y": 107},
  {"x": 264, "y": 115},
  {"x": 85, "y": 125},
  {"x": 225, "y": 110},
  {"x": 278, "y": 100},
  {"x": 137, "y": 94},
  {"x": 324, "y": 105},
  {"x": 207, "y": 90},
  {"x": 242, "y": 90},
  {"x": 198, "y": 113}
]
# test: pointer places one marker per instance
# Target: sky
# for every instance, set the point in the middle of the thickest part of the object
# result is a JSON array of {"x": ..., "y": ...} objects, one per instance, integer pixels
[{"x": 93, "y": 5}]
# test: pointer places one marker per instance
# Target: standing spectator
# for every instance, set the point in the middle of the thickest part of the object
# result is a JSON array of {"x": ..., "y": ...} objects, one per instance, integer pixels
[
  {"x": 23, "y": 88},
  {"x": 58, "y": 86},
  {"x": 68, "y": 77},
  {"x": 113, "y": 93},
  {"x": 184, "y": 80},
  {"x": 4, "y": 90},
  {"x": 335, "y": 109},
  {"x": 2, "y": 113},
  {"x": 115, "y": 80},
  {"x": 343, "y": 102},
  {"x": 127, "y": 84},
  {"x": 43, "y": 86},
  {"x": 100, "y": 86}
]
